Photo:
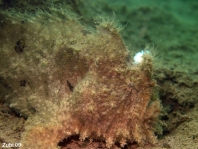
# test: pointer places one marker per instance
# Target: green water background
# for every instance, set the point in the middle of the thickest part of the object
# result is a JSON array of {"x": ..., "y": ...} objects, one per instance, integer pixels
[{"x": 170, "y": 25}]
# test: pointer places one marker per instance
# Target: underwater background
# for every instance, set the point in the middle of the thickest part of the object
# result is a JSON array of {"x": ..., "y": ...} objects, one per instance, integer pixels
[{"x": 169, "y": 27}]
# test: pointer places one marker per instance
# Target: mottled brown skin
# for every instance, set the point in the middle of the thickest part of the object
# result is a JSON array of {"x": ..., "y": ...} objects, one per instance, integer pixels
[
  {"x": 77, "y": 84},
  {"x": 112, "y": 101}
]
